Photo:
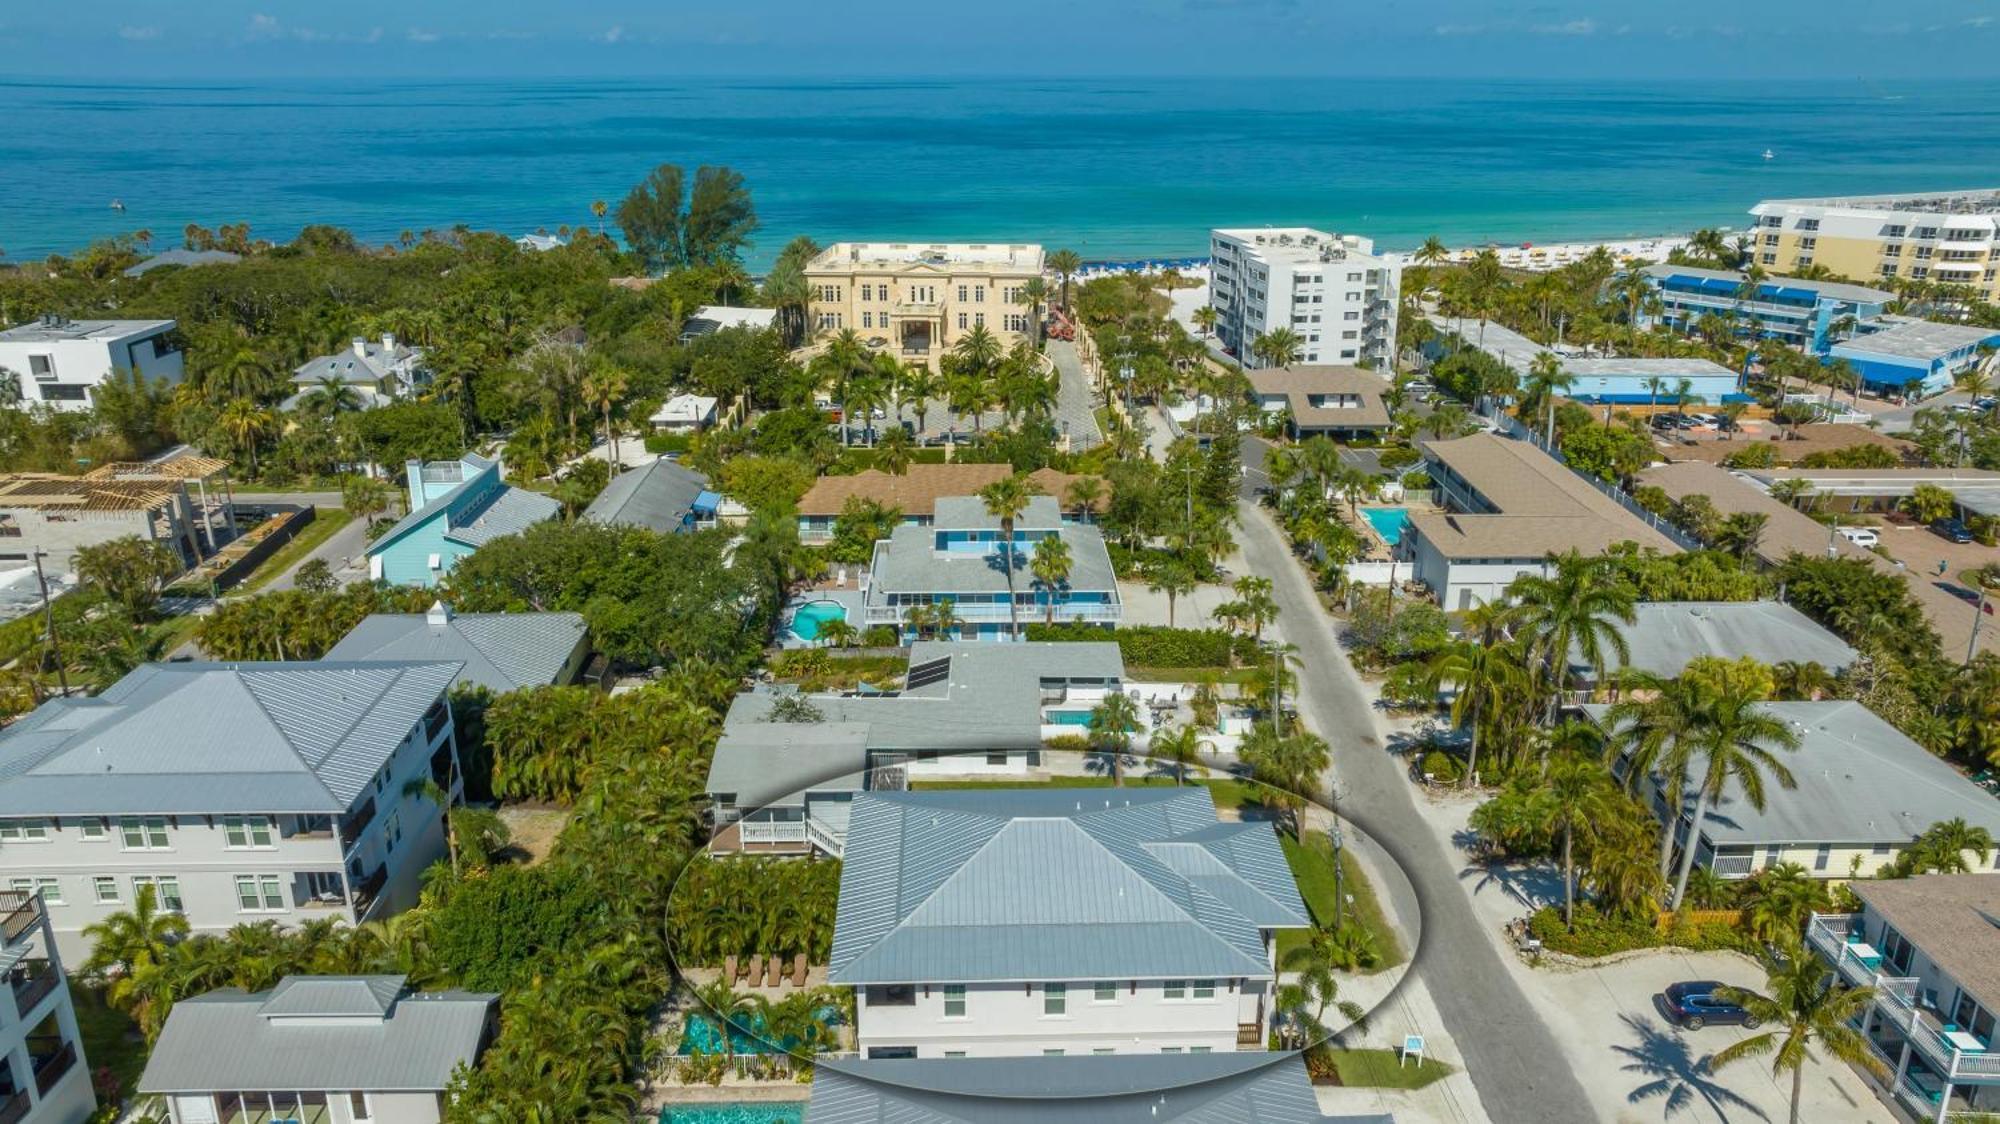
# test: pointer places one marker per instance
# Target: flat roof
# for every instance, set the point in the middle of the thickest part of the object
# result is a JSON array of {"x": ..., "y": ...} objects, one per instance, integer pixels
[
  {"x": 1858, "y": 782},
  {"x": 1838, "y": 290},
  {"x": 1970, "y": 201},
  {"x": 1543, "y": 506},
  {"x": 847, "y": 256},
  {"x": 908, "y": 561},
  {"x": 1918, "y": 339},
  {"x": 61, "y": 330},
  {"x": 1954, "y": 919},
  {"x": 1297, "y": 244},
  {"x": 1665, "y": 636},
  {"x": 1613, "y": 367},
  {"x": 1495, "y": 339}
]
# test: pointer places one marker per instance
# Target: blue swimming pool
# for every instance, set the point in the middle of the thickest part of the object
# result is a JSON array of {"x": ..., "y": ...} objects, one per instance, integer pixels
[
  {"x": 734, "y": 1112},
  {"x": 1067, "y": 717},
  {"x": 807, "y": 620},
  {"x": 1387, "y": 521}
]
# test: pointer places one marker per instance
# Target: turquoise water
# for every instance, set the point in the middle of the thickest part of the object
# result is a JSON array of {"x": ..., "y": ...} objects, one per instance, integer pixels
[
  {"x": 806, "y": 622},
  {"x": 1068, "y": 717},
  {"x": 1387, "y": 521},
  {"x": 734, "y": 1113},
  {"x": 1110, "y": 167}
]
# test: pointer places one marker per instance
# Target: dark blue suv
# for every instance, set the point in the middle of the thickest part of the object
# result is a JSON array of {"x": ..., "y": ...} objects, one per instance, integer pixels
[{"x": 1695, "y": 1004}]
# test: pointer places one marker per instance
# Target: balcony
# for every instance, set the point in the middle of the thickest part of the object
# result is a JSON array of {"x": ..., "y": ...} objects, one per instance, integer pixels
[
  {"x": 1833, "y": 935},
  {"x": 1900, "y": 999},
  {"x": 988, "y": 613},
  {"x": 441, "y": 767},
  {"x": 22, "y": 912},
  {"x": 370, "y": 888},
  {"x": 1249, "y": 1036},
  {"x": 31, "y": 982},
  {"x": 309, "y": 827},
  {"x": 352, "y": 827},
  {"x": 50, "y": 1066}
]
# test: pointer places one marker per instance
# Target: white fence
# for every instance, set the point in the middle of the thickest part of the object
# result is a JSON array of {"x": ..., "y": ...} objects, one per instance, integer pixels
[{"x": 1379, "y": 573}]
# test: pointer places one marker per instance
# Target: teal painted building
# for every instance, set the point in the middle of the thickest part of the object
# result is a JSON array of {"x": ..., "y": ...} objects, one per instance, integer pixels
[{"x": 456, "y": 507}]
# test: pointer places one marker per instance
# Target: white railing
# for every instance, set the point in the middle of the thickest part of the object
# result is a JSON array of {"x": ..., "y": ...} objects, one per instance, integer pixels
[
  {"x": 771, "y": 831},
  {"x": 1896, "y": 997},
  {"x": 825, "y": 838},
  {"x": 1029, "y": 614},
  {"x": 1829, "y": 933},
  {"x": 1731, "y": 866}
]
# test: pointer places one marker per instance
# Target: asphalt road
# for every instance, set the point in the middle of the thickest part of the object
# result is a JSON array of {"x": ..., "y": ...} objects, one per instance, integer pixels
[
  {"x": 1513, "y": 1059},
  {"x": 1074, "y": 402}
]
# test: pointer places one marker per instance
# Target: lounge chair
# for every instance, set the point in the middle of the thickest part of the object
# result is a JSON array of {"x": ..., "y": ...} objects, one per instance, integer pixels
[
  {"x": 773, "y": 973},
  {"x": 729, "y": 968},
  {"x": 756, "y": 968},
  {"x": 799, "y": 970}
]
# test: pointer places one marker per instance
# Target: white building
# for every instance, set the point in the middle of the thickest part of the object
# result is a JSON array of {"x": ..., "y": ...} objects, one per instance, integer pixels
[
  {"x": 1942, "y": 237},
  {"x": 1332, "y": 290},
  {"x": 317, "y": 1050},
  {"x": 238, "y": 792},
  {"x": 44, "y": 1077},
  {"x": 684, "y": 413},
  {"x": 1048, "y": 921},
  {"x": 378, "y": 372},
  {"x": 57, "y": 361}
]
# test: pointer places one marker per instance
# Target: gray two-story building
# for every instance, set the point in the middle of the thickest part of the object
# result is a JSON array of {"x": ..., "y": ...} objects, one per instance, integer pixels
[{"x": 237, "y": 792}]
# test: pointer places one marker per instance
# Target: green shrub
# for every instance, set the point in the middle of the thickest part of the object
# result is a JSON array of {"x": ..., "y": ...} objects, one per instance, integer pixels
[
  {"x": 1155, "y": 645},
  {"x": 663, "y": 443},
  {"x": 881, "y": 636},
  {"x": 496, "y": 931},
  {"x": 1398, "y": 458},
  {"x": 1756, "y": 454},
  {"x": 1417, "y": 482},
  {"x": 1596, "y": 934},
  {"x": 1441, "y": 767}
]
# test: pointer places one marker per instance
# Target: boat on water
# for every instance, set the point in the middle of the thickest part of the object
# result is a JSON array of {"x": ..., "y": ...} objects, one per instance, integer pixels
[{"x": 1769, "y": 155}]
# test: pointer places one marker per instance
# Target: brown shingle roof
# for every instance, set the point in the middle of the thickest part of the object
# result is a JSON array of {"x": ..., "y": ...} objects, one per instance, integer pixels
[
  {"x": 917, "y": 491},
  {"x": 1299, "y": 384},
  {"x": 1543, "y": 507},
  {"x": 1953, "y": 918}
]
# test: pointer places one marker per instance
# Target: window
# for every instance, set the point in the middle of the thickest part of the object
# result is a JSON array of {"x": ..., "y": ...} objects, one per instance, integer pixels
[
  {"x": 106, "y": 889},
  {"x": 259, "y": 893},
  {"x": 91, "y": 829},
  {"x": 358, "y": 1108},
  {"x": 1198, "y": 1049},
  {"x": 1174, "y": 989},
  {"x": 247, "y": 831},
  {"x": 892, "y": 995},
  {"x": 954, "y": 1001},
  {"x": 1808, "y": 224},
  {"x": 144, "y": 833},
  {"x": 1204, "y": 989},
  {"x": 1820, "y": 857},
  {"x": 979, "y": 294},
  {"x": 868, "y": 320},
  {"x": 1170, "y": 1049},
  {"x": 954, "y": 1053},
  {"x": 1052, "y": 1053},
  {"x": 867, "y": 294},
  {"x": 1893, "y": 250},
  {"x": 996, "y": 759},
  {"x": 166, "y": 890},
  {"x": 392, "y": 830},
  {"x": 43, "y": 367},
  {"x": 979, "y": 319},
  {"x": 1107, "y": 992},
  {"x": 24, "y": 831},
  {"x": 1055, "y": 999},
  {"x": 50, "y": 888},
  {"x": 1100, "y": 1051},
  {"x": 962, "y": 320}
]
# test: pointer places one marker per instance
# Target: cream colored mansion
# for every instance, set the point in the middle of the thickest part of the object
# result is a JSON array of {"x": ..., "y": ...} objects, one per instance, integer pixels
[{"x": 919, "y": 298}]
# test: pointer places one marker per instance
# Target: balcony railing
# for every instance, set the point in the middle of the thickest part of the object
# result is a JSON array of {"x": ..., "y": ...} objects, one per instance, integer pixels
[
  {"x": 441, "y": 767},
  {"x": 1029, "y": 614},
  {"x": 771, "y": 831},
  {"x": 1249, "y": 1035},
  {"x": 825, "y": 838},
  {"x": 1832, "y": 934},
  {"x": 23, "y": 911},
  {"x": 352, "y": 827},
  {"x": 31, "y": 982},
  {"x": 50, "y": 1067},
  {"x": 369, "y": 888},
  {"x": 1897, "y": 998},
  {"x": 15, "y": 1107}
]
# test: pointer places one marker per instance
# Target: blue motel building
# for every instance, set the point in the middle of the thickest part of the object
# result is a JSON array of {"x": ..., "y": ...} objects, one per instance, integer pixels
[
  {"x": 1630, "y": 381},
  {"x": 1798, "y": 312},
  {"x": 1915, "y": 357}
]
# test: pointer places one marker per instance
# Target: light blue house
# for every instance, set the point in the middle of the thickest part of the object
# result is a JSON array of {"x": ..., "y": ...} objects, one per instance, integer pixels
[
  {"x": 1916, "y": 356},
  {"x": 1632, "y": 380},
  {"x": 456, "y": 507},
  {"x": 1806, "y": 314}
]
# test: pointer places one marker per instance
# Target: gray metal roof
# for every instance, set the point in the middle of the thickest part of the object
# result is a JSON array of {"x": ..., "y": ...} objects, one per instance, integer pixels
[
  {"x": 372, "y": 364},
  {"x": 990, "y": 700},
  {"x": 656, "y": 497},
  {"x": 1612, "y": 368},
  {"x": 1666, "y": 635},
  {"x": 312, "y": 1034},
  {"x": 1860, "y": 782},
  {"x": 500, "y": 651},
  {"x": 1044, "y": 883},
  {"x": 178, "y": 256},
  {"x": 204, "y": 738},
  {"x": 1246, "y": 1087},
  {"x": 968, "y": 513},
  {"x": 510, "y": 511},
  {"x": 908, "y": 562},
  {"x": 1918, "y": 339}
]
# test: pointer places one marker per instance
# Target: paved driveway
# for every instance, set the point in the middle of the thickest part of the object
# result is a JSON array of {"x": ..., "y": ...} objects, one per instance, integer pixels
[
  {"x": 1516, "y": 1065},
  {"x": 1073, "y": 398}
]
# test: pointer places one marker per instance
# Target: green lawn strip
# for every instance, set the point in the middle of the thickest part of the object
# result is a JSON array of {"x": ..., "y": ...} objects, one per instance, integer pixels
[
  {"x": 174, "y": 631},
  {"x": 110, "y": 1039},
  {"x": 322, "y": 528},
  {"x": 1380, "y": 1069},
  {"x": 1312, "y": 867}
]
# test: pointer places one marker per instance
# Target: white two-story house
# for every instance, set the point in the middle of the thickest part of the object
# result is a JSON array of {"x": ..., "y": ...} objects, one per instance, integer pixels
[
  {"x": 238, "y": 792},
  {"x": 1022, "y": 922},
  {"x": 1930, "y": 947},
  {"x": 60, "y": 363}
]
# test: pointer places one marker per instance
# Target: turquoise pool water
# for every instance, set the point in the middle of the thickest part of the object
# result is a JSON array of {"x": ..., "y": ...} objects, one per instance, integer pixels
[
  {"x": 1387, "y": 521},
  {"x": 788, "y": 1112},
  {"x": 1068, "y": 717},
  {"x": 807, "y": 620}
]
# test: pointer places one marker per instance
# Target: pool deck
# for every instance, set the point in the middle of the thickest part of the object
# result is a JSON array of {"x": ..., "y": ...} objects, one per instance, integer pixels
[{"x": 848, "y": 599}]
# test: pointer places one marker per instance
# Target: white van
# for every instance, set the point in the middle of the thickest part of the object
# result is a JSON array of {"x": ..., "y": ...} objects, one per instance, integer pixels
[{"x": 1861, "y": 536}]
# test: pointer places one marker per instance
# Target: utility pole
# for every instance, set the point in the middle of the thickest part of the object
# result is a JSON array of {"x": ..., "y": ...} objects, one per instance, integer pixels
[
  {"x": 49, "y": 620},
  {"x": 1339, "y": 891}
]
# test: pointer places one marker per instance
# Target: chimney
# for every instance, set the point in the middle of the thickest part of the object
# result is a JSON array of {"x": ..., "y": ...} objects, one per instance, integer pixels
[
  {"x": 439, "y": 615},
  {"x": 388, "y": 347},
  {"x": 360, "y": 347}
]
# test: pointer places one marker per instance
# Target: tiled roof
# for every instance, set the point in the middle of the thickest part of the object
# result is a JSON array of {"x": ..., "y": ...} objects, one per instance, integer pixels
[
  {"x": 1543, "y": 507},
  {"x": 1299, "y": 384},
  {"x": 916, "y": 492}
]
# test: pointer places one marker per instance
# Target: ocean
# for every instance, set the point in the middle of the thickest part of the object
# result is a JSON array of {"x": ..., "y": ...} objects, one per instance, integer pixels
[{"x": 1111, "y": 168}]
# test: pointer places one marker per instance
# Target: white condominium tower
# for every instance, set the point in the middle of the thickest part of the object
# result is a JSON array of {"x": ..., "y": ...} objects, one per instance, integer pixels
[
  {"x": 1332, "y": 290},
  {"x": 1944, "y": 237}
]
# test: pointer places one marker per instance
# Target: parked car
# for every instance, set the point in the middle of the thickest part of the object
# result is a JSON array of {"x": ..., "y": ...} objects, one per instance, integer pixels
[
  {"x": 1861, "y": 536},
  {"x": 1952, "y": 530},
  {"x": 1693, "y": 1004},
  {"x": 1666, "y": 421}
]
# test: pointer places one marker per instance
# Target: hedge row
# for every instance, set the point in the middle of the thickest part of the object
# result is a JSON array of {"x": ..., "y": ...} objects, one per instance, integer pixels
[{"x": 1157, "y": 645}]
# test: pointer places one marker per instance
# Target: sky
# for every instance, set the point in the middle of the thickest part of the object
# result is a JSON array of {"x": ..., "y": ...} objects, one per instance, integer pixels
[{"x": 135, "y": 40}]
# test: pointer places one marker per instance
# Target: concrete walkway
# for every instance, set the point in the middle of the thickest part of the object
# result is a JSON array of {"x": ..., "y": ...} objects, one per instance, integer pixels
[
  {"x": 1515, "y": 1063},
  {"x": 1073, "y": 399}
]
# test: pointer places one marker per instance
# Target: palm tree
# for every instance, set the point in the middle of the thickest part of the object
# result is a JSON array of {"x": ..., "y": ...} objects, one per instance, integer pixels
[
  {"x": 1051, "y": 565},
  {"x": 1255, "y": 603},
  {"x": 246, "y": 425},
  {"x": 1305, "y": 1003},
  {"x": 1731, "y": 741},
  {"x": 132, "y": 940},
  {"x": 365, "y": 497},
  {"x": 1546, "y": 379},
  {"x": 1180, "y": 747},
  {"x": 1083, "y": 494},
  {"x": 1111, "y": 724},
  {"x": 1279, "y": 347},
  {"x": 1034, "y": 294},
  {"x": 1780, "y": 899},
  {"x": 1806, "y": 1007},
  {"x": 1487, "y": 677},
  {"x": 919, "y": 385},
  {"x": 603, "y": 388},
  {"x": 330, "y": 396},
  {"x": 1432, "y": 251},
  {"x": 894, "y": 452},
  {"x": 1171, "y": 574},
  {"x": 1006, "y": 499},
  {"x": 979, "y": 350},
  {"x": 598, "y": 209},
  {"x": 1205, "y": 318},
  {"x": 1290, "y": 764},
  {"x": 1065, "y": 263},
  {"x": 1574, "y": 612}
]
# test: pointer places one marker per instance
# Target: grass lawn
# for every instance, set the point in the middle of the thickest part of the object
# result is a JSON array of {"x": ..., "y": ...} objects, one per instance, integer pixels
[
  {"x": 322, "y": 528},
  {"x": 175, "y": 631},
  {"x": 1378, "y": 1069},
  {"x": 805, "y": 667},
  {"x": 109, "y": 1038},
  {"x": 1312, "y": 865}
]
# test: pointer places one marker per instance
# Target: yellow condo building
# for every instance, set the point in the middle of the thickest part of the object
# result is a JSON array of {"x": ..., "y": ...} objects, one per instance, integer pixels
[
  {"x": 920, "y": 298},
  {"x": 1940, "y": 237}
]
